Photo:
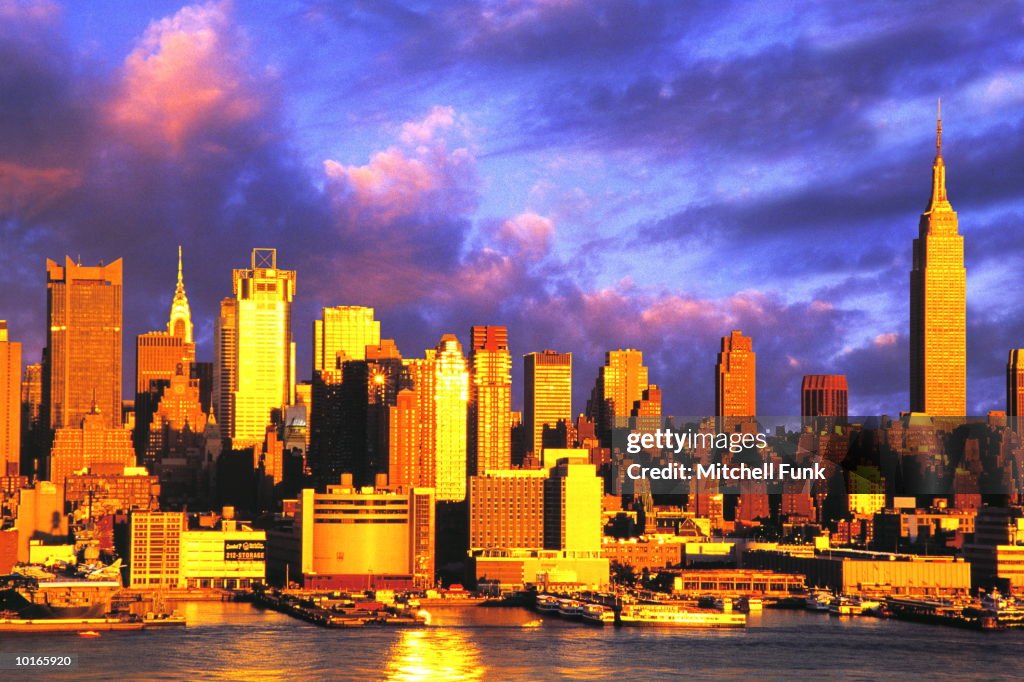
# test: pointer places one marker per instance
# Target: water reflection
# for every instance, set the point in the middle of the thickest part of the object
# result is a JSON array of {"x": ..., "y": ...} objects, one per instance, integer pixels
[{"x": 434, "y": 654}]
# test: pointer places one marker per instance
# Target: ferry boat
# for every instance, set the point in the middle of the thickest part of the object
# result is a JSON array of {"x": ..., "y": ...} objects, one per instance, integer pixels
[
  {"x": 678, "y": 616},
  {"x": 547, "y": 603},
  {"x": 598, "y": 614},
  {"x": 818, "y": 600},
  {"x": 570, "y": 608}
]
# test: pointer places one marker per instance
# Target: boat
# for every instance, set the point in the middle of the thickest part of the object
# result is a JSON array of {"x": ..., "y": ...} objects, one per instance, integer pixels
[
  {"x": 570, "y": 608},
  {"x": 677, "y": 615},
  {"x": 545, "y": 602},
  {"x": 818, "y": 600},
  {"x": 598, "y": 614},
  {"x": 845, "y": 606},
  {"x": 533, "y": 623},
  {"x": 89, "y": 633},
  {"x": 749, "y": 604},
  {"x": 36, "y": 595},
  {"x": 724, "y": 604},
  {"x": 163, "y": 619}
]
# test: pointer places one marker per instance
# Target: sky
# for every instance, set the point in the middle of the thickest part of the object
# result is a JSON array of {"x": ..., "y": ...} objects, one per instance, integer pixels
[{"x": 592, "y": 174}]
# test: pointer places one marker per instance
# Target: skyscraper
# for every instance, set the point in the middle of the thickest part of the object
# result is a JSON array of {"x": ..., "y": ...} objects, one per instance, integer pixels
[
  {"x": 255, "y": 371},
  {"x": 83, "y": 343},
  {"x": 938, "y": 305},
  {"x": 1015, "y": 387},
  {"x": 824, "y": 395},
  {"x": 10, "y": 403},
  {"x": 403, "y": 440},
  {"x": 547, "y": 394},
  {"x": 736, "y": 377},
  {"x": 490, "y": 401},
  {"x": 620, "y": 384},
  {"x": 345, "y": 329},
  {"x": 451, "y": 397},
  {"x": 159, "y": 357}
]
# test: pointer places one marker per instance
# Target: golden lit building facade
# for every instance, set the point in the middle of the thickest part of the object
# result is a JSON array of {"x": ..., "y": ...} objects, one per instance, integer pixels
[
  {"x": 547, "y": 395},
  {"x": 10, "y": 403},
  {"x": 83, "y": 342},
  {"x": 572, "y": 508},
  {"x": 736, "y": 377},
  {"x": 403, "y": 440},
  {"x": 621, "y": 382},
  {"x": 362, "y": 538},
  {"x": 154, "y": 558},
  {"x": 938, "y": 305},
  {"x": 506, "y": 509},
  {"x": 93, "y": 444},
  {"x": 255, "y": 363},
  {"x": 451, "y": 398},
  {"x": 346, "y": 331},
  {"x": 422, "y": 375},
  {"x": 232, "y": 556},
  {"x": 490, "y": 403}
]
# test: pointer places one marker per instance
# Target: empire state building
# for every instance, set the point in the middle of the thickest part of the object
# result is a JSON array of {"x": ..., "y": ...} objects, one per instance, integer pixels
[{"x": 938, "y": 305}]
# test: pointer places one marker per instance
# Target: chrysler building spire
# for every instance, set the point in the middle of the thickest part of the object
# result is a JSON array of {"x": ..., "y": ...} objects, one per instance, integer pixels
[{"x": 180, "y": 322}]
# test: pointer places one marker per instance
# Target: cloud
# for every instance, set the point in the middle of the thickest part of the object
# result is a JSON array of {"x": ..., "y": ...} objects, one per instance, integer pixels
[
  {"x": 528, "y": 235},
  {"x": 26, "y": 191},
  {"x": 185, "y": 80}
]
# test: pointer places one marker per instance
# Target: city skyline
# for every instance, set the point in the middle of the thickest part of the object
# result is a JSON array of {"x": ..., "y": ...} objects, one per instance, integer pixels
[{"x": 437, "y": 210}]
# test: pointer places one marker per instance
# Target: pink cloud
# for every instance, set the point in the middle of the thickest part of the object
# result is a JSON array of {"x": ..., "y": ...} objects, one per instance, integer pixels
[
  {"x": 528, "y": 235},
  {"x": 887, "y": 339},
  {"x": 185, "y": 75},
  {"x": 423, "y": 131},
  {"x": 421, "y": 176},
  {"x": 25, "y": 190}
]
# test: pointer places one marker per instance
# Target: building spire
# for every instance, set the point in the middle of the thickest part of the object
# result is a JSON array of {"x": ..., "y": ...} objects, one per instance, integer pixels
[
  {"x": 180, "y": 322},
  {"x": 939, "y": 200}
]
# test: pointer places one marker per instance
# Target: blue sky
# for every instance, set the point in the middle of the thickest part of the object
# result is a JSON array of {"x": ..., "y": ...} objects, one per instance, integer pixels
[{"x": 594, "y": 175}]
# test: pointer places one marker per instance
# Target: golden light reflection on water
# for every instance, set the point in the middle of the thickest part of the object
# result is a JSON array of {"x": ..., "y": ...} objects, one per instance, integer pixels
[{"x": 434, "y": 654}]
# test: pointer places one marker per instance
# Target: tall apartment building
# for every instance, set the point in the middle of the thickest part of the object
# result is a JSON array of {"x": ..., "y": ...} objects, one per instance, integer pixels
[
  {"x": 490, "y": 401},
  {"x": 547, "y": 395}
]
